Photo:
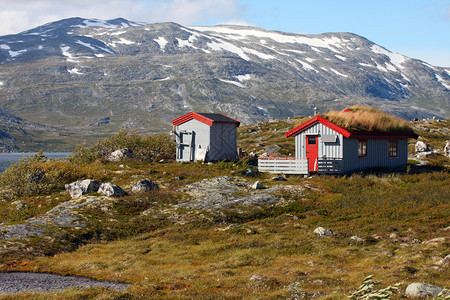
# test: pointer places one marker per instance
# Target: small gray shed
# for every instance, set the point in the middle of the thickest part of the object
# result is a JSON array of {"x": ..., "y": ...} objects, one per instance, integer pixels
[{"x": 206, "y": 137}]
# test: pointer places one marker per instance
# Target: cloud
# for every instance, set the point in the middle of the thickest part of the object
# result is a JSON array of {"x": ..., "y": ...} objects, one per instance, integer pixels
[{"x": 20, "y": 15}]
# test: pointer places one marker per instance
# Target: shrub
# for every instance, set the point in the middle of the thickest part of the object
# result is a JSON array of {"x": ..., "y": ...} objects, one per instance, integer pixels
[
  {"x": 35, "y": 175},
  {"x": 145, "y": 148}
]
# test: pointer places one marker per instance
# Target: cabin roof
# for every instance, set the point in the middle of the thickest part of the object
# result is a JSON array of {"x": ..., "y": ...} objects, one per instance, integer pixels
[
  {"x": 347, "y": 133},
  {"x": 206, "y": 118}
]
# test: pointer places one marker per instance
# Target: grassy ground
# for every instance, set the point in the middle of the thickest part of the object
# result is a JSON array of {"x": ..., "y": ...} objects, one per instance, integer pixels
[{"x": 401, "y": 221}]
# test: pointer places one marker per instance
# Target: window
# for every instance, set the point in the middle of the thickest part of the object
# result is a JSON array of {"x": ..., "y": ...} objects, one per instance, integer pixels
[
  {"x": 393, "y": 148},
  {"x": 362, "y": 148},
  {"x": 311, "y": 140}
]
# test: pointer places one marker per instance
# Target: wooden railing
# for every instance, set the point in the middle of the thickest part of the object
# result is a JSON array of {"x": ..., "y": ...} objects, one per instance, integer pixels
[
  {"x": 283, "y": 165},
  {"x": 330, "y": 165}
]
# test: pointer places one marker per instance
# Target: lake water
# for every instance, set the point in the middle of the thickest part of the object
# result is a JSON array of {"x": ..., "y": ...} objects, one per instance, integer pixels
[{"x": 7, "y": 158}]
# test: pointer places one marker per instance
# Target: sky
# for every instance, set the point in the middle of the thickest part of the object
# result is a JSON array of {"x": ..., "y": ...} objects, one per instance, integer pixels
[{"x": 416, "y": 28}]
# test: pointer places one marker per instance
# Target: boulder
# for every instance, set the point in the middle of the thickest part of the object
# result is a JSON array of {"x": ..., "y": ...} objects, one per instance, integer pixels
[
  {"x": 82, "y": 187},
  {"x": 421, "y": 147},
  {"x": 323, "y": 232},
  {"x": 257, "y": 185},
  {"x": 278, "y": 178},
  {"x": 110, "y": 189},
  {"x": 249, "y": 172},
  {"x": 120, "y": 154},
  {"x": 447, "y": 148},
  {"x": 272, "y": 149},
  {"x": 418, "y": 289},
  {"x": 144, "y": 185},
  {"x": 425, "y": 154}
]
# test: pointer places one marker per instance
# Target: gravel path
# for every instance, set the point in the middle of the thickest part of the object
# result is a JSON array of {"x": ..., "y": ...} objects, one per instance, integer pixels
[{"x": 17, "y": 282}]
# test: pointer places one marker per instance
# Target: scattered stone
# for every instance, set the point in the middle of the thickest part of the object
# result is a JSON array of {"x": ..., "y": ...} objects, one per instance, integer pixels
[
  {"x": 447, "y": 148},
  {"x": 258, "y": 279},
  {"x": 144, "y": 185},
  {"x": 278, "y": 178},
  {"x": 109, "y": 189},
  {"x": 257, "y": 185},
  {"x": 421, "y": 147},
  {"x": 418, "y": 289},
  {"x": 82, "y": 187},
  {"x": 323, "y": 232},
  {"x": 249, "y": 172},
  {"x": 444, "y": 262},
  {"x": 295, "y": 291},
  {"x": 120, "y": 154}
]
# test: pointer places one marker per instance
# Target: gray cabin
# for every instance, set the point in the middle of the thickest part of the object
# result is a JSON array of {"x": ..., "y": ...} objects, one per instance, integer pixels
[
  {"x": 205, "y": 137},
  {"x": 323, "y": 147}
]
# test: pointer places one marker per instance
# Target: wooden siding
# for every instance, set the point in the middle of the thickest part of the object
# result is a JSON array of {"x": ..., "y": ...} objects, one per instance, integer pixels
[
  {"x": 223, "y": 142},
  {"x": 377, "y": 155},
  {"x": 327, "y": 150},
  {"x": 284, "y": 166},
  {"x": 200, "y": 135}
]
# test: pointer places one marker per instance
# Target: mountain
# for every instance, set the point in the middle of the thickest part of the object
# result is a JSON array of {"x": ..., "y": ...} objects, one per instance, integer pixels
[{"x": 97, "y": 76}]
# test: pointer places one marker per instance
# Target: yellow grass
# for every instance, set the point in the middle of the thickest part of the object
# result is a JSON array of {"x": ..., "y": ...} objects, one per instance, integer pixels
[{"x": 368, "y": 119}]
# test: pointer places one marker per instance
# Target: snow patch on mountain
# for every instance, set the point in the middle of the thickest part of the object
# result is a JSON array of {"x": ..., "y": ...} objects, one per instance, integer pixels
[
  {"x": 66, "y": 53},
  {"x": 306, "y": 66},
  {"x": 338, "y": 73},
  {"x": 442, "y": 81},
  {"x": 395, "y": 58},
  {"x": 86, "y": 45},
  {"x": 118, "y": 33},
  {"x": 233, "y": 82},
  {"x": 5, "y": 47},
  {"x": 259, "y": 54},
  {"x": 215, "y": 46},
  {"x": 17, "y": 53},
  {"x": 162, "y": 42},
  {"x": 244, "y": 77},
  {"x": 74, "y": 71},
  {"x": 121, "y": 41}
]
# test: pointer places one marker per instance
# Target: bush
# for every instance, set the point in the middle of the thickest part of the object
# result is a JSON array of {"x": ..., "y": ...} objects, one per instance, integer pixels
[
  {"x": 36, "y": 175},
  {"x": 145, "y": 148}
]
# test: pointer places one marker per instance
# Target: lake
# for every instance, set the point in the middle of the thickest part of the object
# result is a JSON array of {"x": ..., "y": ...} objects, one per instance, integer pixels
[{"x": 7, "y": 158}]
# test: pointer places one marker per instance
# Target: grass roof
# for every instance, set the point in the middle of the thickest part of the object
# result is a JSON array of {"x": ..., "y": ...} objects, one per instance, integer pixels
[{"x": 367, "y": 119}]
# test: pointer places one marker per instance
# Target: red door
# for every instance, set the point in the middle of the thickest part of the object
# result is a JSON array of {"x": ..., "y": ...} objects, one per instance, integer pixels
[{"x": 312, "y": 152}]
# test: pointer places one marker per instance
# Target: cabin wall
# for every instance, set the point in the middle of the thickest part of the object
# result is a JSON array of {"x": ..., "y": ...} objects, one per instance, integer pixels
[
  {"x": 223, "y": 145},
  {"x": 377, "y": 155},
  {"x": 200, "y": 135},
  {"x": 325, "y": 149}
]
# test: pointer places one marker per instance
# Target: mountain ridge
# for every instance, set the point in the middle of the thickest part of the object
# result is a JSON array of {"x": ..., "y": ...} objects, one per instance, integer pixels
[{"x": 70, "y": 73}]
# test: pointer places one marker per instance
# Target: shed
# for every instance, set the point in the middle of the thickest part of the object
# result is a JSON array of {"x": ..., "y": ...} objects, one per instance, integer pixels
[
  {"x": 206, "y": 137},
  {"x": 322, "y": 146}
]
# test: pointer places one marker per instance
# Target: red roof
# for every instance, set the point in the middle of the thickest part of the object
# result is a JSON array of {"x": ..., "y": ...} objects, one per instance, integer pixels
[
  {"x": 346, "y": 133},
  {"x": 206, "y": 118}
]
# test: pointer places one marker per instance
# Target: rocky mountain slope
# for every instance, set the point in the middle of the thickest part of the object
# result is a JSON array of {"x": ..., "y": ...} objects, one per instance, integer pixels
[{"x": 79, "y": 74}]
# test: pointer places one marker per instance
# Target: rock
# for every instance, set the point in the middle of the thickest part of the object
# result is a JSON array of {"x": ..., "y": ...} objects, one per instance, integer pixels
[
  {"x": 82, "y": 187},
  {"x": 249, "y": 172},
  {"x": 257, "y": 185},
  {"x": 421, "y": 147},
  {"x": 418, "y": 289},
  {"x": 323, "y": 232},
  {"x": 425, "y": 154},
  {"x": 120, "y": 154},
  {"x": 278, "y": 178},
  {"x": 447, "y": 148},
  {"x": 258, "y": 279},
  {"x": 144, "y": 185},
  {"x": 445, "y": 261},
  {"x": 271, "y": 149},
  {"x": 109, "y": 189}
]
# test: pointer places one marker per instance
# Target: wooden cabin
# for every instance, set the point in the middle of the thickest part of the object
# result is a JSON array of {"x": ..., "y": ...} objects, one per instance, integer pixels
[
  {"x": 326, "y": 148},
  {"x": 206, "y": 137}
]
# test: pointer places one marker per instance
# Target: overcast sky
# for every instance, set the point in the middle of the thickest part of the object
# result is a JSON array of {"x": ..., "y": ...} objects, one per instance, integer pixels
[{"x": 416, "y": 28}]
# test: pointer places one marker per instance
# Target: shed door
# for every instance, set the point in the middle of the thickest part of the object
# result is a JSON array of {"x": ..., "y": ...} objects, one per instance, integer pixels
[
  {"x": 187, "y": 146},
  {"x": 312, "y": 152}
]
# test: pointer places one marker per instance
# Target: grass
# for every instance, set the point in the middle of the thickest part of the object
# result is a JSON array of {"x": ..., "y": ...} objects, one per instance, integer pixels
[
  {"x": 367, "y": 119},
  {"x": 184, "y": 254}
]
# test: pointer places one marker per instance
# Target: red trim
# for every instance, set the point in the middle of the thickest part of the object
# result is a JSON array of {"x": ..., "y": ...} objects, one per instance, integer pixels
[
  {"x": 347, "y": 134},
  {"x": 313, "y": 121},
  {"x": 201, "y": 118}
]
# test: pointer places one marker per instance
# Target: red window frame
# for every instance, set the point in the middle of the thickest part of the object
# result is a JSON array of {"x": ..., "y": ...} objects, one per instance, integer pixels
[
  {"x": 393, "y": 148},
  {"x": 362, "y": 148}
]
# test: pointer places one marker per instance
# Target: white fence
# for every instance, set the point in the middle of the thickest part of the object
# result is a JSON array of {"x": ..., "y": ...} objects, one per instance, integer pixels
[{"x": 283, "y": 165}]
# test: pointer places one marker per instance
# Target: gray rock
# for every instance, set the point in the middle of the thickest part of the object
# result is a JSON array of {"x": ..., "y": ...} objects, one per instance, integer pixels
[
  {"x": 272, "y": 149},
  {"x": 418, "y": 289},
  {"x": 144, "y": 185},
  {"x": 323, "y": 232},
  {"x": 249, "y": 172},
  {"x": 425, "y": 154},
  {"x": 109, "y": 189},
  {"x": 257, "y": 185},
  {"x": 447, "y": 148},
  {"x": 120, "y": 154},
  {"x": 82, "y": 187},
  {"x": 421, "y": 147},
  {"x": 278, "y": 178}
]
